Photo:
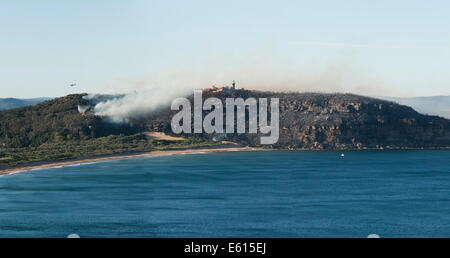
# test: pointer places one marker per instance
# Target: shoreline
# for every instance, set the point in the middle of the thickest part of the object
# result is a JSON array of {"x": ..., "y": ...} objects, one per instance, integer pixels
[
  {"x": 53, "y": 164},
  {"x": 229, "y": 146}
]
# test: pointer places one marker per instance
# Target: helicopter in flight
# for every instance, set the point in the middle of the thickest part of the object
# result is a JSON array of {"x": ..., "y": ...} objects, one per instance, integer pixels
[{"x": 73, "y": 85}]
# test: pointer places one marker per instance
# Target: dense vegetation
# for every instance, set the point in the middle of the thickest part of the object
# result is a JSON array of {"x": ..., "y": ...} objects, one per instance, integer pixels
[
  {"x": 55, "y": 130},
  {"x": 108, "y": 145}
]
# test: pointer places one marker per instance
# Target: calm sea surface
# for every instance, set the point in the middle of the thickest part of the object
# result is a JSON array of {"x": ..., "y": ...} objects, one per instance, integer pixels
[{"x": 237, "y": 194}]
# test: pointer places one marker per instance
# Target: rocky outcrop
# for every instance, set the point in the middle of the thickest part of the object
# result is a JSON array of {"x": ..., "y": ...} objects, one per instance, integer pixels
[{"x": 337, "y": 121}]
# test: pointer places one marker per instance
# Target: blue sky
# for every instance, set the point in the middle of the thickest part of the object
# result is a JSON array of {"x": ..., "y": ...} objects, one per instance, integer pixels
[{"x": 399, "y": 48}]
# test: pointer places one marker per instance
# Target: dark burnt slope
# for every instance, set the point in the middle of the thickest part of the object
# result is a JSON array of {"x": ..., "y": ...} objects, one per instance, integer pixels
[
  {"x": 351, "y": 121},
  {"x": 337, "y": 121}
]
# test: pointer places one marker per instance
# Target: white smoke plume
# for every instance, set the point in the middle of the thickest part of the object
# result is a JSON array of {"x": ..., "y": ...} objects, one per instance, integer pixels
[
  {"x": 135, "y": 105},
  {"x": 257, "y": 71}
]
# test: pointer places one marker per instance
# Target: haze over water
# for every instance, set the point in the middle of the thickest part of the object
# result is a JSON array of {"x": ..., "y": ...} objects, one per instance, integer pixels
[{"x": 238, "y": 194}]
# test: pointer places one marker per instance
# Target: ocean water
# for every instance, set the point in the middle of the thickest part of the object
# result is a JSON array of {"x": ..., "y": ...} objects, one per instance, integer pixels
[{"x": 235, "y": 194}]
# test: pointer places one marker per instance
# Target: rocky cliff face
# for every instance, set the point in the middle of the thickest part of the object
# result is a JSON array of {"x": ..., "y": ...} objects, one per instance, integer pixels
[
  {"x": 337, "y": 121},
  {"x": 324, "y": 121}
]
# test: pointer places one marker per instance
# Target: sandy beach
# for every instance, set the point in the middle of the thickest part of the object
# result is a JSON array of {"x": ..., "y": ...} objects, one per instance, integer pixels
[{"x": 50, "y": 164}]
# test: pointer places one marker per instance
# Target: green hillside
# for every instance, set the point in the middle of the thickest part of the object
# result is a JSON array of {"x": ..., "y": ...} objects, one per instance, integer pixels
[{"x": 55, "y": 130}]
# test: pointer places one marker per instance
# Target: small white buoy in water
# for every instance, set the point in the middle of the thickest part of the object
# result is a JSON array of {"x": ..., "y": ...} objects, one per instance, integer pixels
[
  {"x": 373, "y": 236},
  {"x": 73, "y": 236},
  {"x": 342, "y": 155}
]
